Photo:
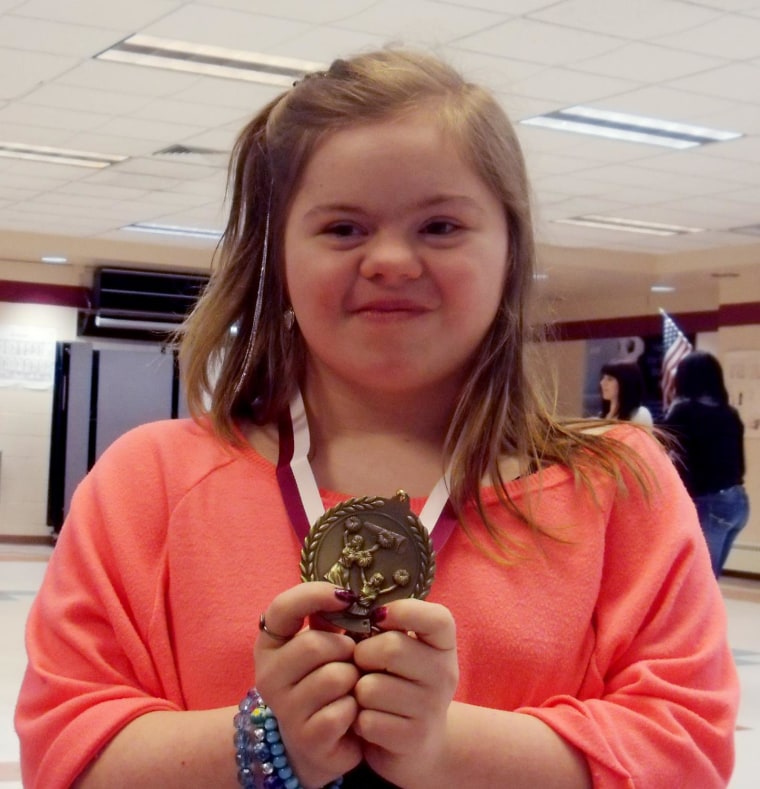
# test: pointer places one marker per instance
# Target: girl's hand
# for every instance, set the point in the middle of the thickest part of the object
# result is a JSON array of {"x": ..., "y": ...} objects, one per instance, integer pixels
[
  {"x": 308, "y": 681},
  {"x": 410, "y": 674}
]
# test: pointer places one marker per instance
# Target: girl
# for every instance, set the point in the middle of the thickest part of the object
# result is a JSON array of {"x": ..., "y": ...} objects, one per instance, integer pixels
[{"x": 376, "y": 267}]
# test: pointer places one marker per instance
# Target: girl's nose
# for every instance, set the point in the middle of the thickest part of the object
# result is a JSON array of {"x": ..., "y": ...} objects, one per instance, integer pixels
[{"x": 392, "y": 258}]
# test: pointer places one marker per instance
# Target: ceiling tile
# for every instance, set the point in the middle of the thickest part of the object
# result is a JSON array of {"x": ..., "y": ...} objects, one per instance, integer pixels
[
  {"x": 22, "y": 71},
  {"x": 112, "y": 177},
  {"x": 105, "y": 102},
  {"x": 225, "y": 28},
  {"x": 96, "y": 13},
  {"x": 317, "y": 13},
  {"x": 746, "y": 149},
  {"x": 537, "y": 42},
  {"x": 246, "y": 96},
  {"x": 33, "y": 115},
  {"x": 174, "y": 167},
  {"x": 191, "y": 113},
  {"x": 739, "y": 81},
  {"x": 643, "y": 19},
  {"x": 125, "y": 78},
  {"x": 101, "y": 191},
  {"x": 735, "y": 37},
  {"x": 666, "y": 103},
  {"x": 20, "y": 32},
  {"x": 324, "y": 44},
  {"x": 414, "y": 20},
  {"x": 568, "y": 87},
  {"x": 644, "y": 62},
  {"x": 170, "y": 133}
]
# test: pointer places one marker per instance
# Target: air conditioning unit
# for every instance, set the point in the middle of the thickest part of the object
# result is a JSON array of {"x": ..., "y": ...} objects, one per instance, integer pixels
[{"x": 139, "y": 304}]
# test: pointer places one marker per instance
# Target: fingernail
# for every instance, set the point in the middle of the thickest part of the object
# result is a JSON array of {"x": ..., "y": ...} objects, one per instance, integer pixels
[
  {"x": 378, "y": 614},
  {"x": 345, "y": 596}
]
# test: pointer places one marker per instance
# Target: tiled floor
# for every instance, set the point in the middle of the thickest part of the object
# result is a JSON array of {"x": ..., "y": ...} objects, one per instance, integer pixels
[{"x": 22, "y": 568}]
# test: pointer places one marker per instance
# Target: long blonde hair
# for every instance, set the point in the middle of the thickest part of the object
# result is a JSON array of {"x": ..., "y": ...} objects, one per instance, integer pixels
[{"x": 252, "y": 372}]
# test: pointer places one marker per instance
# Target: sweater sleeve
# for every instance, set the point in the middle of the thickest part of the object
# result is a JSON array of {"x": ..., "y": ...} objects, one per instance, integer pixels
[
  {"x": 98, "y": 646},
  {"x": 659, "y": 703}
]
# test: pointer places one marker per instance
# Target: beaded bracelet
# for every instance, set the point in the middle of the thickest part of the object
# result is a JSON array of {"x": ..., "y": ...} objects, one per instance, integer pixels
[{"x": 260, "y": 752}]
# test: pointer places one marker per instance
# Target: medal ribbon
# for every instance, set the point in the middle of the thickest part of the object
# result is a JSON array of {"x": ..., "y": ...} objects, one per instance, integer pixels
[{"x": 300, "y": 492}]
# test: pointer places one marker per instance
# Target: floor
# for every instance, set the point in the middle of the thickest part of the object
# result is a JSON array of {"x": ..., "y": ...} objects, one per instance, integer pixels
[{"x": 22, "y": 568}]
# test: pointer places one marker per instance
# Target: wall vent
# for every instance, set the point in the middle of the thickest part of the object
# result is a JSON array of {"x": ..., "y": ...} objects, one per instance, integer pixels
[{"x": 139, "y": 304}]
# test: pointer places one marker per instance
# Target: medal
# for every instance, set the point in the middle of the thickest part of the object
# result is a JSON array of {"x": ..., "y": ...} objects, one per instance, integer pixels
[{"x": 373, "y": 547}]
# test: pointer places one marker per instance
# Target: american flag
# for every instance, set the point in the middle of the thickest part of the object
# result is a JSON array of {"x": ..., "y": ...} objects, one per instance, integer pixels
[{"x": 675, "y": 346}]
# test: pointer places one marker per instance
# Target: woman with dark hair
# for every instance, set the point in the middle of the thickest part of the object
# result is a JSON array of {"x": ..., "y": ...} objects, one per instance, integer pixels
[
  {"x": 710, "y": 452},
  {"x": 622, "y": 389}
]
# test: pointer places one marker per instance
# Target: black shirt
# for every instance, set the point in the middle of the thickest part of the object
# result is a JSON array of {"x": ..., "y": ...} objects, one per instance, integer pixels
[
  {"x": 710, "y": 445},
  {"x": 362, "y": 777}
]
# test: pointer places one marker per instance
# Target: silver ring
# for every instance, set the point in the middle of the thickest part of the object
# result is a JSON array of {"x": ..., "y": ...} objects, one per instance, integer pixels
[{"x": 276, "y": 636}]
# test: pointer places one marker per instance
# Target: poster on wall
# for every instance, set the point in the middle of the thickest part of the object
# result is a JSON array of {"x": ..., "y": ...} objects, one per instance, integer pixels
[
  {"x": 742, "y": 375},
  {"x": 27, "y": 357}
]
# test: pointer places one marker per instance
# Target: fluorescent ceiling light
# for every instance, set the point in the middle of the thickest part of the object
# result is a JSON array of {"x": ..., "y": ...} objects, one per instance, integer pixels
[
  {"x": 210, "y": 61},
  {"x": 632, "y": 128},
  {"x": 54, "y": 259},
  {"x": 174, "y": 230},
  {"x": 44, "y": 153},
  {"x": 629, "y": 225},
  {"x": 662, "y": 289}
]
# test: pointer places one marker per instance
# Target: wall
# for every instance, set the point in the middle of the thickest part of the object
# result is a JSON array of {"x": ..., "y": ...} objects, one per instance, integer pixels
[
  {"x": 25, "y": 421},
  {"x": 25, "y": 415}
]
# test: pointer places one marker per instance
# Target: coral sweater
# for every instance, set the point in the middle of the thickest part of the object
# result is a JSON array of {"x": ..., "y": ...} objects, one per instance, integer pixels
[{"x": 614, "y": 635}]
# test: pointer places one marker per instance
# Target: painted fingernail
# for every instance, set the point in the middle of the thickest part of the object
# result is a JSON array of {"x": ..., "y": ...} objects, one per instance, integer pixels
[
  {"x": 345, "y": 596},
  {"x": 378, "y": 614}
]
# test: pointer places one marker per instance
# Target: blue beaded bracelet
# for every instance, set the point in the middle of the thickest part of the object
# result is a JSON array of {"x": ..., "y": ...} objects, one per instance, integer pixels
[{"x": 259, "y": 752}]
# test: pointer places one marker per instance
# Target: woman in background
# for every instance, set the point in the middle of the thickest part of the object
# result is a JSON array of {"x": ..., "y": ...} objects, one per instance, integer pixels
[
  {"x": 710, "y": 452},
  {"x": 622, "y": 389}
]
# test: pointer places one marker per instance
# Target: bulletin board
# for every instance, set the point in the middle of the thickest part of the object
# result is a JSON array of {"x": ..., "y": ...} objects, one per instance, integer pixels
[
  {"x": 27, "y": 357},
  {"x": 741, "y": 370}
]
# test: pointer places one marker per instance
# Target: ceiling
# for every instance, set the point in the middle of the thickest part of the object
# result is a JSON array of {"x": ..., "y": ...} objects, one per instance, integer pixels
[{"x": 680, "y": 60}]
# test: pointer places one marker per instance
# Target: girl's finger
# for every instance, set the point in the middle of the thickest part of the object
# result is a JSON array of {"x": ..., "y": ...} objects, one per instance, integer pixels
[
  {"x": 431, "y": 623},
  {"x": 286, "y": 613}
]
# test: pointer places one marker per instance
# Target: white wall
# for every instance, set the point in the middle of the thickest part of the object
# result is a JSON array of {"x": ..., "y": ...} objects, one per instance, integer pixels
[{"x": 25, "y": 422}]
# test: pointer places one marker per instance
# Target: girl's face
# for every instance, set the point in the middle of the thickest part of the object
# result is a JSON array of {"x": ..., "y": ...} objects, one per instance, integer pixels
[
  {"x": 395, "y": 257},
  {"x": 610, "y": 388}
]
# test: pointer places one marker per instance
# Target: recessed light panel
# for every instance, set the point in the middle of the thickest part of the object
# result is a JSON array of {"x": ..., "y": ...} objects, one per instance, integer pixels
[
  {"x": 44, "y": 153},
  {"x": 174, "y": 230},
  {"x": 210, "y": 61},
  {"x": 632, "y": 128},
  {"x": 628, "y": 225}
]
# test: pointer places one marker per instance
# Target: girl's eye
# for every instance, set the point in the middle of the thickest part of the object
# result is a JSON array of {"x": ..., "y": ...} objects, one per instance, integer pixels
[
  {"x": 440, "y": 227},
  {"x": 343, "y": 229}
]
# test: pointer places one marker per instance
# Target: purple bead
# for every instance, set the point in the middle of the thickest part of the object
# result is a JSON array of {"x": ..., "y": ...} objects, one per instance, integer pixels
[{"x": 240, "y": 739}]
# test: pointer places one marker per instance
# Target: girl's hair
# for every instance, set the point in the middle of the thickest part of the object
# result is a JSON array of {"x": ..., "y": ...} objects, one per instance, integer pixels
[
  {"x": 699, "y": 374},
  {"x": 254, "y": 374},
  {"x": 630, "y": 388}
]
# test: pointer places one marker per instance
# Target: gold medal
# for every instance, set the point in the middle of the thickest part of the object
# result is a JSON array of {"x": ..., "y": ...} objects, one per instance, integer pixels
[{"x": 375, "y": 548}]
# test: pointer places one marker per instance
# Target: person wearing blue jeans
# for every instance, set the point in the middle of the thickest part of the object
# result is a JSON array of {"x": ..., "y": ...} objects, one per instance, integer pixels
[
  {"x": 709, "y": 452},
  {"x": 722, "y": 516}
]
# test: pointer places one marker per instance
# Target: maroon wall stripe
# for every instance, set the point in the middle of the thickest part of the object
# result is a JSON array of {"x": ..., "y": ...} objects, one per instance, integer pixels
[
  {"x": 44, "y": 293},
  {"x": 647, "y": 325}
]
